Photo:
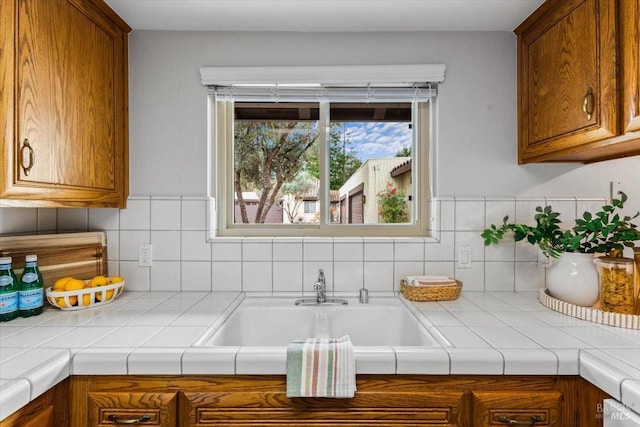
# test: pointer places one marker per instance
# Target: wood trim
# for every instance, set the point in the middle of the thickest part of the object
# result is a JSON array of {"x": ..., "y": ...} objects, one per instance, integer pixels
[{"x": 630, "y": 74}]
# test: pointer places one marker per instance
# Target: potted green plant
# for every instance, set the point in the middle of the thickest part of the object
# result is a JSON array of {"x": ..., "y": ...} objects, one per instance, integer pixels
[{"x": 572, "y": 276}]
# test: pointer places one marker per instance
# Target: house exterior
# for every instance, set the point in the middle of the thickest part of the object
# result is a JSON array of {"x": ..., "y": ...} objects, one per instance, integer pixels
[
  {"x": 305, "y": 208},
  {"x": 251, "y": 200},
  {"x": 359, "y": 195}
]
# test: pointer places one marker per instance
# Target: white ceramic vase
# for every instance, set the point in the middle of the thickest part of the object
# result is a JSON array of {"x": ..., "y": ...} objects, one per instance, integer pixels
[{"x": 574, "y": 278}]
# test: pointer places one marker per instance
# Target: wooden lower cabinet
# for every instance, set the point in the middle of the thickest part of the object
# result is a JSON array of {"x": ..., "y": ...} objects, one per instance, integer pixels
[
  {"x": 536, "y": 408},
  {"x": 50, "y": 409},
  {"x": 381, "y": 400}
]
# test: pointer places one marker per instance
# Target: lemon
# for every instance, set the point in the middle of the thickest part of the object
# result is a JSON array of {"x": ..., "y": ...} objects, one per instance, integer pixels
[
  {"x": 86, "y": 300},
  {"x": 73, "y": 300},
  {"x": 58, "y": 285},
  {"x": 97, "y": 281},
  {"x": 108, "y": 296},
  {"x": 116, "y": 279},
  {"x": 73, "y": 285}
]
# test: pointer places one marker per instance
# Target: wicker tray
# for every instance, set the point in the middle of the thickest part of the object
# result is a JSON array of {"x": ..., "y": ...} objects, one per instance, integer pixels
[
  {"x": 630, "y": 321},
  {"x": 431, "y": 293}
]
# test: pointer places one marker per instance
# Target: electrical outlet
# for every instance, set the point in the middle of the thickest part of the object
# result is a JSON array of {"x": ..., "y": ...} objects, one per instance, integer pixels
[
  {"x": 464, "y": 256},
  {"x": 145, "y": 255}
]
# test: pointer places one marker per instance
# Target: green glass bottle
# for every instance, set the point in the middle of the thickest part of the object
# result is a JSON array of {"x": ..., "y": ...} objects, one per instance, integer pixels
[
  {"x": 8, "y": 291},
  {"x": 31, "y": 293}
]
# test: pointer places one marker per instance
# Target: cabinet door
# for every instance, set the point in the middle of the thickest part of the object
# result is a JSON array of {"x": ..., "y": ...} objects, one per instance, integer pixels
[
  {"x": 630, "y": 47},
  {"x": 567, "y": 78},
  {"x": 517, "y": 408},
  {"x": 153, "y": 409},
  {"x": 69, "y": 137},
  {"x": 50, "y": 409}
]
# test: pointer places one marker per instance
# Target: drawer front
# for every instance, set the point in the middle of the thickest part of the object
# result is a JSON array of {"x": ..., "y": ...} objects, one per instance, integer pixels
[
  {"x": 274, "y": 408},
  {"x": 509, "y": 408},
  {"x": 113, "y": 408}
]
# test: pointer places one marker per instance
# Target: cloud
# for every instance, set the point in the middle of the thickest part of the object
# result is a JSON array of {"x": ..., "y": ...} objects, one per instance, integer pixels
[{"x": 378, "y": 139}]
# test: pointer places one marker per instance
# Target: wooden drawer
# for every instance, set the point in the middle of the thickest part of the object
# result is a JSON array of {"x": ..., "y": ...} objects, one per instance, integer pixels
[
  {"x": 153, "y": 409},
  {"x": 375, "y": 403},
  {"x": 498, "y": 408}
]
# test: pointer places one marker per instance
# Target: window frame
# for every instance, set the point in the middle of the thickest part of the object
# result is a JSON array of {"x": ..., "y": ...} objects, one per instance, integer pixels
[
  {"x": 400, "y": 75},
  {"x": 220, "y": 184}
]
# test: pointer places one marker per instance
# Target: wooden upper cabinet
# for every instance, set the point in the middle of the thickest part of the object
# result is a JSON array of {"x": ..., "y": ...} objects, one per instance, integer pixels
[
  {"x": 65, "y": 64},
  {"x": 630, "y": 41},
  {"x": 569, "y": 89}
]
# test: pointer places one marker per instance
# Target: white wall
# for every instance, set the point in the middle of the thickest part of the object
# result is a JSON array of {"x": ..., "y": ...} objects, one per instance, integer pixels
[{"x": 477, "y": 126}]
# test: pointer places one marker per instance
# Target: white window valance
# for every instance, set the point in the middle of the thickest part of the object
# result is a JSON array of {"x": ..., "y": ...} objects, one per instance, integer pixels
[{"x": 340, "y": 75}]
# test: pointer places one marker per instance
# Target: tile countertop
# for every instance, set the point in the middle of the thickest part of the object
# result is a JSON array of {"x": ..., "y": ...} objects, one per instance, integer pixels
[{"x": 493, "y": 333}]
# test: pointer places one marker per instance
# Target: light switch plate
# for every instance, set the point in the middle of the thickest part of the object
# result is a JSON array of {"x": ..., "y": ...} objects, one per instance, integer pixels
[{"x": 463, "y": 258}]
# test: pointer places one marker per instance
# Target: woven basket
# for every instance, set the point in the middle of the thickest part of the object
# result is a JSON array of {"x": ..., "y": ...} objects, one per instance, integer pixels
[{"x": 431, "y": 293}]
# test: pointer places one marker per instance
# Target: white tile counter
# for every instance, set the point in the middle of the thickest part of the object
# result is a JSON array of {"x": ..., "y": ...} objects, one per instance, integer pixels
[{"x": 497, "y": 333}]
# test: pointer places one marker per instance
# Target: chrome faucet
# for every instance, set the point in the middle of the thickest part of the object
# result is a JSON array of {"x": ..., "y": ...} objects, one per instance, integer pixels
[{"x": 321, "y": 288}]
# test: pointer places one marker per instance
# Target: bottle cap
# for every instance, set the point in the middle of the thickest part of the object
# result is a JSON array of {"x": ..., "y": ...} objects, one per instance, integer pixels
[
  {"x": 31, "y": 258},
  {"x": 5, "y": 260}
]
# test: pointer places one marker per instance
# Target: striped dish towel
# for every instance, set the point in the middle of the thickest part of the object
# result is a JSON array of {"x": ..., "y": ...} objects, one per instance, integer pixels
[{"x": 321, "y": 367}]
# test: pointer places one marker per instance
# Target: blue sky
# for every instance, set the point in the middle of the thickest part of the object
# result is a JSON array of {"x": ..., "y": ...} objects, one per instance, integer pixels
[{"x": 373, "y": 140}]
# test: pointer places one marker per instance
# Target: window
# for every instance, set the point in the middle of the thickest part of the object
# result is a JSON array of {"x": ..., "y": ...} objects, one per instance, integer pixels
[
  {"x": 321, "y": 160},
  {"x": 310, "y": 207}
]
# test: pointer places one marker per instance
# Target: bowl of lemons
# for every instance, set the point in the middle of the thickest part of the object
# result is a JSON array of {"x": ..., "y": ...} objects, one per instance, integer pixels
[{"x": 69, "y": 293}]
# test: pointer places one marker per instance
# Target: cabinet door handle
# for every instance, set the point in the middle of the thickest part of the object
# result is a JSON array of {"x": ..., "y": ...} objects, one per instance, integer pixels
[
  {"x": 26, "y": 146},
  {"x": 506, "y": 420},
  {"x": 118, "y": 420},
  {"x": 587, "y": 104}
]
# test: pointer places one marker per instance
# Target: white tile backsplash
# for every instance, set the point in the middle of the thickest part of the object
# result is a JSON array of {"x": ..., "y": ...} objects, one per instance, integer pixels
[
  {"x": 196, "y": 276},
  {"x": 318, "y": 251},
  {"x": 222, "y": 250},
  {"x": 130, "y": 242},
  {"x": 166, "y": 245},
  {"x": 104, "y": 219},
  {"x": 288, "y": 250},
  {"x": 19, "y": 220},
  {"x": 257, "y": 276},
  {"x": 378, "y": 251},
  {"x": 257, "y": 251},
  {"x": 73, "y": 219},
  {"x": 47, "y": 220},
  {"x": 183, "y": 258},
  {"x": 137, "y": 215},
  {"x": 378, "y": 276},
  {"x": 194, "y": 246},
  {"x": 469, "y": 215},
  {"x": 165, "y": 276},
  {"x": 226, "y": 276},
  {"x": 348, "y": 251},
  {"x": 165, "y": 214},
  {"x": 287, "y": 277},
  {"x": 349, "y": 276},
  {"x": 194, "y": 215}
]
